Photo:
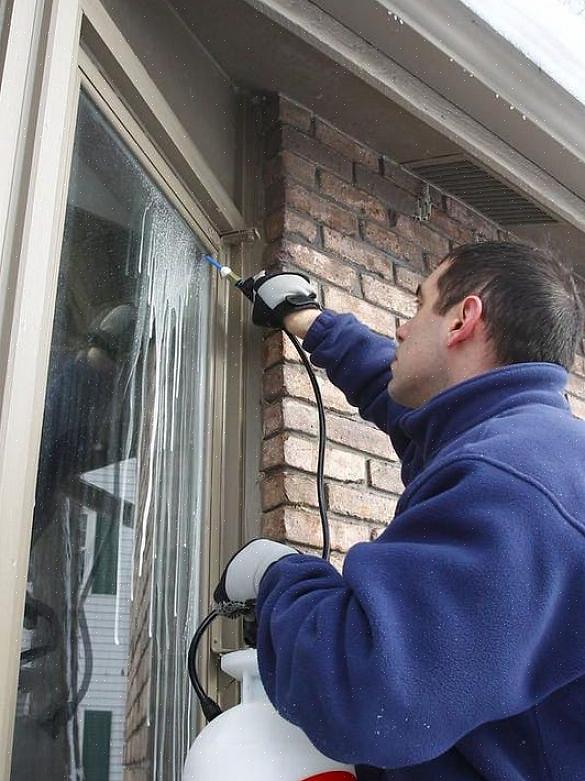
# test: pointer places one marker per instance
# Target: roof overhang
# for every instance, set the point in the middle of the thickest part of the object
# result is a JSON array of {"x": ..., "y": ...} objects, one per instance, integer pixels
[
  {"x": 415, "y": 81},
  {"x": 447, "y": 67}
]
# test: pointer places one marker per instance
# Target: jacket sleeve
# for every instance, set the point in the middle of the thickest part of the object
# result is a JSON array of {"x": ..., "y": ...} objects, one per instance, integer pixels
[
  {"x": 357, "y": 361},
  {"x": 449, "y": 620}
]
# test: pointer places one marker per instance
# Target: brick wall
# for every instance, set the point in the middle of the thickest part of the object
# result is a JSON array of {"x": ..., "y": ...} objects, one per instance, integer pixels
[{"x": 344, "y": 214}]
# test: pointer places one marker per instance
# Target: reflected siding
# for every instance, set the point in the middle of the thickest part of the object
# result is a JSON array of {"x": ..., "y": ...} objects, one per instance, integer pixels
[{"x": 108, "y": 687}]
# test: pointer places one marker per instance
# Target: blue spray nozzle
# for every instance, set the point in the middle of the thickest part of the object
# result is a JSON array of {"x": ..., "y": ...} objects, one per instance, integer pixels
[
  {"x": 213, "y": 262},
  {"x": 225, "y": 272}
]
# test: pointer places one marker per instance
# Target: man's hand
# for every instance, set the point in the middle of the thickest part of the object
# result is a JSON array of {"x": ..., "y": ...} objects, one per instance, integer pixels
[
  {"x": 277, "y": 295},
  {"x": 241, "y": 578}
]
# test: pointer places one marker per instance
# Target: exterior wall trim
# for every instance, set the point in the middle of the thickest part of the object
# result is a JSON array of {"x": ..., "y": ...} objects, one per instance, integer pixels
[
  {"x": 45, "y": 101},
  {"x": 100, "y": 32},
  {"x": 349, "y": 50}
]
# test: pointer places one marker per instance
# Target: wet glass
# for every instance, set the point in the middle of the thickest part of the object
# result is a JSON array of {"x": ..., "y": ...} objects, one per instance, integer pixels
[{"x": 112, "y": 585}]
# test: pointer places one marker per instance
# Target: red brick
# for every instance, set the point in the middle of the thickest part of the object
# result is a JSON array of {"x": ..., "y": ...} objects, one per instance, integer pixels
[
  {"x": 286, "y": 165},
  {"x": 419, "y": 233},
  {"x": 576, "y": 386},
  {"x": 289, "y": 139},
  {"x": 337, "y": 560},
  {"x": 385, "y": 476},
  {"x": 292, "y": 380},
  {"x": 286, "y": 221},
  {"x": 297, "y": 224},
  {"x": 356, "y": 200},
  {"x": 399, "y": 247},
  {"x": 356, "y": 251},
  {"x": 281, "y": 109},
  {"x": 294, "y": 114},
  {"x": 375, "y": 318},
  {"x": 388, "y": 296},
  {"x": 360, "y": 503},
  {"x": 304, "y": 526},
  {"x": 272, "y": 418},
  {"x": 288, "y": 488},
  {"x": 410, "y": 181},
  {"x": 577, "y": 407},
  {"x": 298, "y": 416},
  {"x": 579, "y": 365},
  {"x": 406, "y": 278},
  {"x": 315, "y": 263},
  {"x": 274, "y": 196},
  {"x": 359, "y": 435},
  {"x": 277, "y": 347},
  {"x": 459, "y": 234},
  {"x": 346, "y": 145},
  {"x": 390, "y": 194},
  {"x": 321, "y": 210},
  {"x": 274, "y": 225},
  {"x": 351, "y": 432},
  {"x": 471, "y": 219},
  {"x": 291, "y": 450}
]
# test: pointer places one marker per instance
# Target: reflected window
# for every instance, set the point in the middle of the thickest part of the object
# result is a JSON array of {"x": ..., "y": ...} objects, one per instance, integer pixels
[{"x": 112, "y": 582}]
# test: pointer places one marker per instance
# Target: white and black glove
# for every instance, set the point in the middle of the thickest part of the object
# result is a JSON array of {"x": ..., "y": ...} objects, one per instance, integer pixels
[
  {"x": 276, "y": 295},
  {"x": 241, "y": 577}
]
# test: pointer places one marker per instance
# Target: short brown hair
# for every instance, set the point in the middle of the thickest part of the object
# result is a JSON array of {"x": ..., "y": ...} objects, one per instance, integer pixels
[{"x": 532, "y": 310}]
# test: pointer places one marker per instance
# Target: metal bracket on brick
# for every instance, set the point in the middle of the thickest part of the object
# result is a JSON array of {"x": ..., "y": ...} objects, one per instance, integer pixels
[
  {"x": 245, "y": 236},
  {"x": 424, "y": 204}
]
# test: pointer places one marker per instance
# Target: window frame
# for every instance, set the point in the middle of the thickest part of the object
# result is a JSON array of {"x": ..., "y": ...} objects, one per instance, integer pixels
[{"x": 82, "y": 44}]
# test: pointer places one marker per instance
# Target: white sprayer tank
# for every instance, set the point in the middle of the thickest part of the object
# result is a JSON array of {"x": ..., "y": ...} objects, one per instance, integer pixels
[{"x": 251, "y": 742}]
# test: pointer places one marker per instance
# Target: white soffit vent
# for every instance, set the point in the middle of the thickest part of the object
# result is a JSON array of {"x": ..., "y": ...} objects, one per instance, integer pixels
[{"x": 464, "y": 179}]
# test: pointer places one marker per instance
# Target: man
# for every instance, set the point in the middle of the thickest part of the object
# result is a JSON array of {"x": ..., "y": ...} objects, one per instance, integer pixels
[{"x": 453, "y": 646}]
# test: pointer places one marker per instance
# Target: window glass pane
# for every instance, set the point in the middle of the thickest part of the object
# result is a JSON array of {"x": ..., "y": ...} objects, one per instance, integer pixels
[{"x": 112, "y": 583}]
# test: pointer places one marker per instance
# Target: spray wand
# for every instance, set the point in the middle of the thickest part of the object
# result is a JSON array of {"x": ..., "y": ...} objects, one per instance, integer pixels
[{"x": 233, "y": 610}]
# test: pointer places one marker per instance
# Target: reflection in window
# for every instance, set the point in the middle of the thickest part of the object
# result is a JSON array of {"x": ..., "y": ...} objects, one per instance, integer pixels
[{"x": 112, "y": 579}]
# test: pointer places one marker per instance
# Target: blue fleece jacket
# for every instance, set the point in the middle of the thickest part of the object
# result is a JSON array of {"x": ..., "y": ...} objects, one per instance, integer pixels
[{"x": 452, "y": 648}]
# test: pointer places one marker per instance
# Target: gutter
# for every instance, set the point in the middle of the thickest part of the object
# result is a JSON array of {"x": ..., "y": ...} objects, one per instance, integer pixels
[
  {"x": 358, "y": 56},
  {"x": 456, "y": 30}
]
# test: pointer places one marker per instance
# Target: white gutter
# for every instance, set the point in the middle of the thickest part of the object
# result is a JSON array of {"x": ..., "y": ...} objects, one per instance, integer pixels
[
  {"x": 461, "y": 33},
  {"x": 345, "y": 47},
  {"x": 547, "y": 32}
]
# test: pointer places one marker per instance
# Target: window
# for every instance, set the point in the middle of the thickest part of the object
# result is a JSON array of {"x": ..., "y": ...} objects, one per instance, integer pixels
[
  {"x": 97, "y": 730},
  {"x": 104, "y": 578},
  {"x": 114, "y": 558}
]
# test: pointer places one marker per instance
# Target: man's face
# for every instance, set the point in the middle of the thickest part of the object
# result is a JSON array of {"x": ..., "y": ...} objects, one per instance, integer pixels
[{"x": 419, "y": 370}]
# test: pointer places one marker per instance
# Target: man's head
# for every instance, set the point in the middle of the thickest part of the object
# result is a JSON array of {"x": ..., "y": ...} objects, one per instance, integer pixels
[{"x": 486, "y": 305}]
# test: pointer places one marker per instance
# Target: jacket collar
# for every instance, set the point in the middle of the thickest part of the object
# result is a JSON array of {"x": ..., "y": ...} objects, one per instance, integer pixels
[{"x": 461, "y": 407}]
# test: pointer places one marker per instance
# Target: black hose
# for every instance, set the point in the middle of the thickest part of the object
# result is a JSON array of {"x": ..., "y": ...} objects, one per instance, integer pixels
[
  {"x": 322, "y": 440},
  {"x": 209, "y": 707}
]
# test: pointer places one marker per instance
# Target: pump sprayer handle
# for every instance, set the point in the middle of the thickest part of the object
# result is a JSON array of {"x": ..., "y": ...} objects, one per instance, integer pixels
[{"x": 247, "y": 287}]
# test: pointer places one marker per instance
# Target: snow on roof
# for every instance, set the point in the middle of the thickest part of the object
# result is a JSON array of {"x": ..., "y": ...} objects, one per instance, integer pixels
[{"x": 549, "y": 32}]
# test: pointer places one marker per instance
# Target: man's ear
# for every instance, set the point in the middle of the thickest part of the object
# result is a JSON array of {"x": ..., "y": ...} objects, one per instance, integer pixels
[{"x": 466, "y": 321}]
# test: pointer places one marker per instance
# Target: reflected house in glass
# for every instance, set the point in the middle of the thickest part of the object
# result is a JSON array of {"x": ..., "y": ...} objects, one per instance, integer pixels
[{"x": 146, "y": 430}]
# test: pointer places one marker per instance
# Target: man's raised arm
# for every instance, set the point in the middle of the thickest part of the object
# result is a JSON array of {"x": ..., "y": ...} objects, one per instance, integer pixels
[{"x": 356, "y": 359}]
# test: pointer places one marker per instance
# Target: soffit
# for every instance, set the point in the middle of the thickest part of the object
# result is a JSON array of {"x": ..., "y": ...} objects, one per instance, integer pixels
[
  {"x": 450, "y": 49},
  {"x": 260, "y": 55}
]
